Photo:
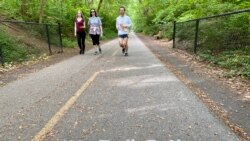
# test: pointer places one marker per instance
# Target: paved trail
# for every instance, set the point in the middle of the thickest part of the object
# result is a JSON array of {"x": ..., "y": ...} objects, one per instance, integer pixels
[{"x": 106, "y": 97}]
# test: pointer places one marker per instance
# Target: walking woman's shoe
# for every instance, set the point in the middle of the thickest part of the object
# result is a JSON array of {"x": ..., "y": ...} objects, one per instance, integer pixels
[
  {"x": 123, "y": 50},
  {"x": 95, "y": 53},
  {"x": 126, "y": 54}
]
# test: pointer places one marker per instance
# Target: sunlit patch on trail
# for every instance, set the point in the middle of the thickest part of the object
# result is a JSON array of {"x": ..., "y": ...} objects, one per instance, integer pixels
[{"x": 132, "y": 68}]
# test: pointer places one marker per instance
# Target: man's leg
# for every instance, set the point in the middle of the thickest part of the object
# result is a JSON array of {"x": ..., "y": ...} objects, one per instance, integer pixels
[
  {"x": 121, "y": 42},
  {"x": 125, "y": 43}
]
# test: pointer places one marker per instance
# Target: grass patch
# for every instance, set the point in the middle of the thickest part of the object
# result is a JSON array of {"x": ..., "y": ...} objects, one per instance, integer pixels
[
  {"x": 12, "y": 50},
  {"x": 69, "y": 43},
  {"x": 237, "y": 62}
]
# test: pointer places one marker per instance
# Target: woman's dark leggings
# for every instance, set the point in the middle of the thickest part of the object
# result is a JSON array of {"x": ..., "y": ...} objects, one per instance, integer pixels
[
  {"x": 81, "y": 41},
  {"x": 95, "y": 39}
]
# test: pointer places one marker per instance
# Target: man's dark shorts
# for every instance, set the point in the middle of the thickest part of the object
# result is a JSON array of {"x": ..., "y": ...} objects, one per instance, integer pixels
[{"x": 123, "y": 36}]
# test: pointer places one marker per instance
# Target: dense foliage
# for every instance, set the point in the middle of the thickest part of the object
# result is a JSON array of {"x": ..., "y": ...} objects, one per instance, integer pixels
[
  {"x": 149, "y": 17},
  {"x": 63, "y": 11},
  {"x": 222, "y": 41},
  {"x": 152, "y": 15}
]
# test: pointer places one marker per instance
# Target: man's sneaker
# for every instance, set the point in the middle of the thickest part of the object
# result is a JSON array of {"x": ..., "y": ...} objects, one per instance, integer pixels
[
  {"x": 96, "y": 53},
  {"x": 123, "y": 50},
  {"x": 100, "y": 50},
  {"x": 126, "y": 54}
]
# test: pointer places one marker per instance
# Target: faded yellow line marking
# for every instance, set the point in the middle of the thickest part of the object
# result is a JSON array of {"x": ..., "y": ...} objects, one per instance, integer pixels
[
  {"x": 115, "y": 52},
  {"x": 56, "y": 118}
]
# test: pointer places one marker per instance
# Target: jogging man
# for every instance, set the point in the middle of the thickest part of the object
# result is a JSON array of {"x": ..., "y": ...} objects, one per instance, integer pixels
[{"x": 123, "y": 23}]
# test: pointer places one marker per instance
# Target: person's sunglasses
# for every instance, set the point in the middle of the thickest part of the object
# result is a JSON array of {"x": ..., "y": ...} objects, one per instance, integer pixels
[{"x": 92, "y": 11}]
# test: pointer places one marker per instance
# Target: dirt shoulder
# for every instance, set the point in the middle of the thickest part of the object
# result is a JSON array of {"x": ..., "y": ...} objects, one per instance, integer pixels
[
  {"x": 227, "y": 98},
  {"x": 17, "y": 71}
]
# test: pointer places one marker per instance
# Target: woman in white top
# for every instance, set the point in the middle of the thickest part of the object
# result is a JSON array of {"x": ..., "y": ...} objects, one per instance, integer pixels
[{"x": 95, "y": 30}]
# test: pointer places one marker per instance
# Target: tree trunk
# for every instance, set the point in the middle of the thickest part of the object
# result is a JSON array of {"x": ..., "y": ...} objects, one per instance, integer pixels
[
  {"x": 24, "y": 6},
  {"x": 41, "y": 13},
  {"x": 99, "y": 6},
  {"x": 89, "y": 2}
]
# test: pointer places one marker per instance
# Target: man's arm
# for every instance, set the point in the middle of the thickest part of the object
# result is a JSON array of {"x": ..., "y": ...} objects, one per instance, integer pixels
[
  {"x": 117, "y": 24},
  {"x": 129, "y": 22}
]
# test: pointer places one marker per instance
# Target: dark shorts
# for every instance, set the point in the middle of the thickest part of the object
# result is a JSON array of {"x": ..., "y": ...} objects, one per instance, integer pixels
[
  {"x": 95, "y": 39},
  {"x": 123, "y": 36}
]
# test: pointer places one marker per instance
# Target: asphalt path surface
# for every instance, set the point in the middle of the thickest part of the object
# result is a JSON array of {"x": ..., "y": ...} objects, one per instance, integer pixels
[{"x": 107, "y": 97}]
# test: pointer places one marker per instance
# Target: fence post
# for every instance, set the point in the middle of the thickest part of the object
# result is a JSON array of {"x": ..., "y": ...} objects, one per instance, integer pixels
[
  {"x": 196, "y": 35},
  {"x": 1, "y": 56},
  {"x": 174, "y": 30},
  {"x": 60, "y": 35},
  {"x": 47, "y": 33}
]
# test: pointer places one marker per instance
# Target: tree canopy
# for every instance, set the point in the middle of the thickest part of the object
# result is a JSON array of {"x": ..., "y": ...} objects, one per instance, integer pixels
[{"x": 146, "y": 14}]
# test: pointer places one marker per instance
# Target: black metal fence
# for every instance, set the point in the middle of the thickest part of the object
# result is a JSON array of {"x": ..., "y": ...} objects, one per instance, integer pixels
[
  {"x": 44, "y": 38},
  {"x": 218, "y": 33}
]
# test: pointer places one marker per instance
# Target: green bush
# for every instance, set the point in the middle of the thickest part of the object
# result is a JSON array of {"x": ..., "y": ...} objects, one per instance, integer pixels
[
  {"x": 168, "y": 30},
  {"x": 69, "y": 43},
  {"x": 109, "y": 34},
  {"x": 13, "y": 50},
  {"x": 224, "y": 33},
  {"x": 236, "y": 61},
  {"x": 185, "y": 31}
]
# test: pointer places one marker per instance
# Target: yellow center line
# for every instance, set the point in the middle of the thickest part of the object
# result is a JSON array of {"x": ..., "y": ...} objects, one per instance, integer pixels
[{"x": 56, "y": 118}]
